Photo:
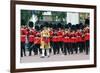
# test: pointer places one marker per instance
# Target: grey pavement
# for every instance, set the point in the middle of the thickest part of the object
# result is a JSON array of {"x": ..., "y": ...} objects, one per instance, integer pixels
[{"x": 57, "y": 57}]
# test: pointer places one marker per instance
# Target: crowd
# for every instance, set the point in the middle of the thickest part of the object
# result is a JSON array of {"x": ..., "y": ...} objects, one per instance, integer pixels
[{"x": 54, "y": 39}]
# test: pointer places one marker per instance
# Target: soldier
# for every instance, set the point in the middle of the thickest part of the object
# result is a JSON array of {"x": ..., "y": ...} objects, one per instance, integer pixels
[
  {"x": 83, "y": 41},
  {"x": 77, "y": 33},
  {"x": 37, "y": 43},
  {"x": 51, "y": 35},
  {"x": 55, "y": 42},
  {"x": 60, "y": 34},
  {"x": 87, "y": 39},
  {"x": 51, "y": 42},
  {"x": 31, "y": 41},
  {"x": 23, "y": 39},
  {"x": 73, "y": 44},
  {"x": 79, "y": 37},
  {"x": 31, "y": 38},
  {"x": 66, "y": 40},
  {"x": 45, "y": 41}
]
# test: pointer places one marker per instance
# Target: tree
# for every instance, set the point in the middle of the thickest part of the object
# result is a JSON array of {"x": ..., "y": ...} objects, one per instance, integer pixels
[
  {"x": 26, "y": 15},
  {"x": 61, "y": 16},
  {"x": 54, "y": 15},
  {"x": 58, "y": 16},
  {"x": 39, "y": 14}
]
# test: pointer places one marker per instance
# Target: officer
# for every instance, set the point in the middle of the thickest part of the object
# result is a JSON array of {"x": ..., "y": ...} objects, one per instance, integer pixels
[{"x": 45, "y": 41}]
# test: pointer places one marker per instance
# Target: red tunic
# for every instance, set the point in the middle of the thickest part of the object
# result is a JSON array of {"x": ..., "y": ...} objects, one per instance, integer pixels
[
  {"x": 32, "y": 31},
  {"x": 73, "y": 38},
  {"x": 25, "y": 30},
  {"x": 66, "y": 38},
  {"x": 23, "y": 38},
  {"x": 37, "y": 40},
  {"x": 60, "y": 36},
  {"x": 31, "y": 38},
  {"x": 23, "y": 35},
  {"x": 51, "y": 33},
  {"x": 78, "y": 37},
  {"x": 54, "y": 36},
  {"x": 87, "y": 36},
  {"x": 55, "y": 39},
  {"x": 37, "y": 33}
]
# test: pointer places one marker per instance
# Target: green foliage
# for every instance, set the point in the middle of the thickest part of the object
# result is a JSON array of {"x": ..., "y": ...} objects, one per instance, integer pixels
[
  {"x": 39, "y": 14},
  {"x": 58, "y": 15},
  {"x": 26, "y": 15}
]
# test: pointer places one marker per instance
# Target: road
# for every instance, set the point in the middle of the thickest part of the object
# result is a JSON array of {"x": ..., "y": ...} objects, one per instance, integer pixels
[{"x": 58, "y": 57}]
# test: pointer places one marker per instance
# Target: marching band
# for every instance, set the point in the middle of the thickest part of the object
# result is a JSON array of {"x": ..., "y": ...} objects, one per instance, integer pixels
[{"x": 50, "y": 39}]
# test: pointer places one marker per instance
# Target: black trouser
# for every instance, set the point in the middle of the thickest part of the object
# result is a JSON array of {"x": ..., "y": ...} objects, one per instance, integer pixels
[
  {"x": 71, "y": 47},
  {"x": 87, "y": 47},
  {"x": 78, "y": 46},
  {"x": 31, "y": 46},
  {"x": 36, "y": 48},
  {"x": 82, "y": 46},
  {"x": 75, "y": 47},
  {"x": 60, "y": 45},
  {"x": 23, "y": 49},
  {"x": 55, "y": 47},
  {"x": 66, "y": 48},
  {"x": 51, "y": 45}
]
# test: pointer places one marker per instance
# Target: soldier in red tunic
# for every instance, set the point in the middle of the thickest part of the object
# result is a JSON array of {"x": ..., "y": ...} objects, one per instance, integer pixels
[
  {"x": 55, "y": 42},
  {"x": 72, "y": 39},
  {"x": 80, "y": 40},
  {"x": 37, "y": 40},
  {"x": 51, "y": 35},
  {"x": 78, "y": 37},
  {"x": 66, "y": 41},
  {"x": 87, "y": 39},
  {"x": 60, "y": 34},
  {"x": 23, "y": 40},
  {"x": 83, "y": 40},
  {"x": 31, "y": 38},
  {"x": 31, "y": 41}
]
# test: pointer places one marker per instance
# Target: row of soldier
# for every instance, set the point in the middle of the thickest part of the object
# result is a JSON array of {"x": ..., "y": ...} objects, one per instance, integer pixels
[{"x": 55, "y": 40}]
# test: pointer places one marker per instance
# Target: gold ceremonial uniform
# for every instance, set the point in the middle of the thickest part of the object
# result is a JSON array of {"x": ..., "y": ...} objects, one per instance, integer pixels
[{"x": 45, "y": 34}]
